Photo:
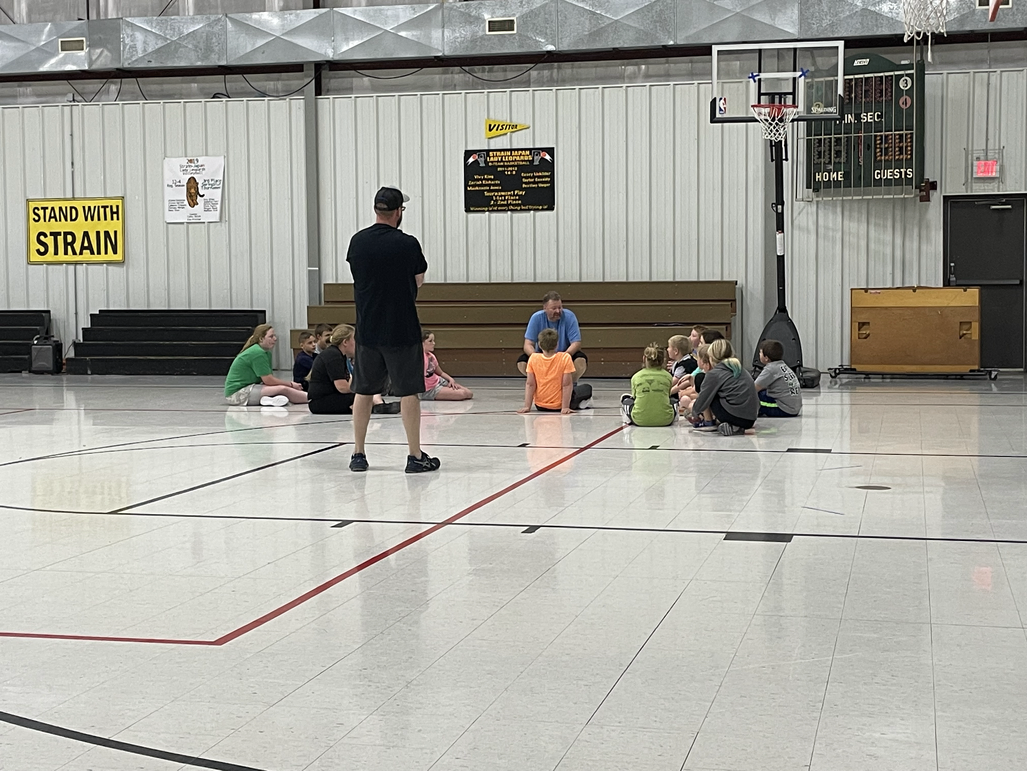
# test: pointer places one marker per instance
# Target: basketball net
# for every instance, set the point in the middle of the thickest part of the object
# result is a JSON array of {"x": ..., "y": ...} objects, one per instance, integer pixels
[
  {"x": 774, "y": 119},
  {"x": 925, "y": 17}
]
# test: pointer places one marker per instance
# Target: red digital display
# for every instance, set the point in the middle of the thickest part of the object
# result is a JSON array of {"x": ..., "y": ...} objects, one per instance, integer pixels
[{"x": 987, "y": 168}]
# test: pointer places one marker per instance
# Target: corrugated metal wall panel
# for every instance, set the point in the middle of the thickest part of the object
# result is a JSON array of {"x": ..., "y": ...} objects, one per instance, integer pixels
[
  {"x": 836, "y": 245},
  {"x": 646, "y": 188},
  {"x": 254, "y": 258}
]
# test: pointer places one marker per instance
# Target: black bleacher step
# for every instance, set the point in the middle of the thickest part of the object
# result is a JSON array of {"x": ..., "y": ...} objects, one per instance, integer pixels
[
  {"x": 9, "y": 364},
  {"x": 148, "y": 349},
  {"x": 176, "y": 318},
  {"x": 148, "y": 365},
  {"x": 235, "y": 335},
  {"x": 38, "y": 320},
  {"x": 20, "y": 333},
  {"x": 16, "y": 348}
]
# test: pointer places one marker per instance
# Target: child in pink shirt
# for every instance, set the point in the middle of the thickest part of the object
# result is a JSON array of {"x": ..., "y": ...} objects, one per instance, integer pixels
[{"x": 439, "y": 385}]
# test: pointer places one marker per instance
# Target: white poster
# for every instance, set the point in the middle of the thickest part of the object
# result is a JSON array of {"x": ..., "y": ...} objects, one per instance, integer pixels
[{"x": 193, "y": 189}]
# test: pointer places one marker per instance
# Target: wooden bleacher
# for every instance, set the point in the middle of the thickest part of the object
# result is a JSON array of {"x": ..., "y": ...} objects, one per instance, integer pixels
[{"x": 479, "y": 327}]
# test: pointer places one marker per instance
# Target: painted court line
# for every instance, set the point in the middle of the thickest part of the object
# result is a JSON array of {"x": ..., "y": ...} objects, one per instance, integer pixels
[
  {"x": 286, "y": 607},
  {"x": 118, "y": 745}
]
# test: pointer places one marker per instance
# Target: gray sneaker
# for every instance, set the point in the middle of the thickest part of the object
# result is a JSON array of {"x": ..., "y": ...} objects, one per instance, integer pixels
[{"x": 728, "y": 429}]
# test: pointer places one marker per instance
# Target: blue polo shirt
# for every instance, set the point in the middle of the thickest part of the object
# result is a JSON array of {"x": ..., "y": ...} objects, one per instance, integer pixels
[{"x": 567, "y": 327}]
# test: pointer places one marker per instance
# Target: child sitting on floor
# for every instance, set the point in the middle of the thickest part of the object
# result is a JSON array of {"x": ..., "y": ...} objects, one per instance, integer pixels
[
  {"x": 439, "y": 385},
  {"x": 681, "y": 364},
  {"x": 727, "y": 391},
  {"x": 648, "y": 404},
  {"x": 779, "y": 391},
  {"x": 304, "y": 359},
  {"x": 689, "y": 395},
  {"x": 549, "y": 379}
]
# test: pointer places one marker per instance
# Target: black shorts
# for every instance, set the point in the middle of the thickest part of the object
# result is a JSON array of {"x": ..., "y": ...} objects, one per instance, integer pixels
[
  {"x": 332, "y": 404},
  {"x": 577, "y": 355},
  {"x": 400, "y": 365},
  {"x": 727, "y": 417}
]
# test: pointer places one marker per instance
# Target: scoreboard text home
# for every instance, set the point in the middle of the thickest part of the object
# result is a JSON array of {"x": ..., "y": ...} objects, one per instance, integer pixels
[{"x": 876, "y": 147}]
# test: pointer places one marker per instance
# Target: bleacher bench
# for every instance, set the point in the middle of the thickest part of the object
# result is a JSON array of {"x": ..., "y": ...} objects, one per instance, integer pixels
[{"x": 480, "y": 327}]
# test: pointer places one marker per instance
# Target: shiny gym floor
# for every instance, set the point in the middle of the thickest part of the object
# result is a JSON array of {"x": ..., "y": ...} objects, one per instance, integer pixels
[{"x": 189, "y": 586}]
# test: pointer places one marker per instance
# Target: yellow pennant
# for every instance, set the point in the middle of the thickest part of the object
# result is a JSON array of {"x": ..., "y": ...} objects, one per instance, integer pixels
[{"x": 500, "y": 128}]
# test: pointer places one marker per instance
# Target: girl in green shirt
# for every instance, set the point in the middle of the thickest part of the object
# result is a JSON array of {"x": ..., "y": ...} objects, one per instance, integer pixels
[
  {"x": 649, "y": 403},
  {"x": 250, "y": 380}
]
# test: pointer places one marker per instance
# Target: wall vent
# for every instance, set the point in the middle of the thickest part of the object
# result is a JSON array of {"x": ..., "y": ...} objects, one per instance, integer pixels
[
  {"x": 71, "y": 45},
  {"x": 500, "y": 26}
]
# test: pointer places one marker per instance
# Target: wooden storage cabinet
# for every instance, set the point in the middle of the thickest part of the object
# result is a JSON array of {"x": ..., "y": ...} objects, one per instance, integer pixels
[{"x": 915, "y": 330}]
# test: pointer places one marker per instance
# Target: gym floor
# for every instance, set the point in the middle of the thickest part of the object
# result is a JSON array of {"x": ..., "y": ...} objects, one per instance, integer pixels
[{"x": 189, "y": 586}]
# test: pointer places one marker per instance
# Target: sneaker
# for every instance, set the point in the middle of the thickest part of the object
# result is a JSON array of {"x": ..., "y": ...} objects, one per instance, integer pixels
[
  {"x": 424, "y": 464},
  {"x": 387, "y": 408},
  {"x": 358, "y": 463},
  {"x": 704, "y": 426},
  {"x": 586, "y": 404},
  {"x": 277, "y": 401},
  {"x": 728, "y": 429}
]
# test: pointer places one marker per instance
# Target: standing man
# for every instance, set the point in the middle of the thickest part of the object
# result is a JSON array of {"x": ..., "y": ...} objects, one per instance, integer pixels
[
  {"x": 388, "y": 268},
  {"x": 564, "y": 322}
]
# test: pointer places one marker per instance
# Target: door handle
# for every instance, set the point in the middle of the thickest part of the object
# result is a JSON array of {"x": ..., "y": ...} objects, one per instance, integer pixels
[{"x": 990, "y": 282}]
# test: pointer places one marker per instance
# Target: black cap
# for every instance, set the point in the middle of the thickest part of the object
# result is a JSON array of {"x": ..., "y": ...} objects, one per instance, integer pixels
[{"x": 389, "y": 199}]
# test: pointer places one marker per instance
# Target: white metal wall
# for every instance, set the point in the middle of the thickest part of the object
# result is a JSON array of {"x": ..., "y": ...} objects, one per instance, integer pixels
[
  {"x": 836, "y": 245},
  {"x": 646, "y": 188},
  {"x": 253, "y": 258}
]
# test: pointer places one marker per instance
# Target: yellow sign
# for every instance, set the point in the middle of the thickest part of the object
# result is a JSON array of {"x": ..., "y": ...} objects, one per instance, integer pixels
[
  {"x": 76, "y": 230},
  {"x": 500, "y": 128}
]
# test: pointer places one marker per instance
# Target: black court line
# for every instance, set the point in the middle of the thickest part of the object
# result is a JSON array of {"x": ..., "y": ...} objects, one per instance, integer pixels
[
  {"x": 19, "y": 410},
  {"x": 64, "y": 453},
  {"x": 520, "y": 526},
  {"x": 757, "y": 536},
  {"x": 226, "y": 478},
  {"x": 118, "y": 745},
  {"x": 827, "y": 511},
  {"x": 342, "y": 524},
  {"x": 532, "y": 529},
  {"x": 810, "y": 450}
]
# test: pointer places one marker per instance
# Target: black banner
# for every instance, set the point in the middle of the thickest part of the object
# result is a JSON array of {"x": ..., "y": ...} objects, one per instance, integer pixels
[{"x": 509, "y": 180}]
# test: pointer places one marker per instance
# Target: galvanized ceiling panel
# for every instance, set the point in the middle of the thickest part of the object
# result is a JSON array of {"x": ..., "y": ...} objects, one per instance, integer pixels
[
  {"x": 388, "y": 32},
  {"x": 465, "y": 27},
  {"x": 174, "y": 41},
  {"x": 602, "y": 24},
  {"x": 104, "y": 49},
  {"x": 34, "y": 47},
  {"x": 291, "y": 36},
  {"x": 733, "y": 21}
]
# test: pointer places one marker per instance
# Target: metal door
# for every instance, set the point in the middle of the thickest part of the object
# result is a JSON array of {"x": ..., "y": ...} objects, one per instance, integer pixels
[{"x": 985, "y": 246}]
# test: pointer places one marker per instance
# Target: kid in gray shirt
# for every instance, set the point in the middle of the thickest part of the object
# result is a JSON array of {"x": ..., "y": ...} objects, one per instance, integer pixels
[{"x": 778, "y": 388}]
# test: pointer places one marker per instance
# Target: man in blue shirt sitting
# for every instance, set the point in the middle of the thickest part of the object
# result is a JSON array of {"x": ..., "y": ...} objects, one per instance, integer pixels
[{"x": 569, "y": 340}]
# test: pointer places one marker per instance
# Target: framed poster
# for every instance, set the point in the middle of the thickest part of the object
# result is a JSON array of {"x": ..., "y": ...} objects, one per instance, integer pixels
[
  {"x": 509, "y": 180},
  {"x": 193, "y": 189}
]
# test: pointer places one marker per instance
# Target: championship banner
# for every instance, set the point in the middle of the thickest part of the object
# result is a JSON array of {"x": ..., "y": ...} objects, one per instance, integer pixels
[
  {"x": 193, "y": 189},
  {"x": 76, "y": 230}
]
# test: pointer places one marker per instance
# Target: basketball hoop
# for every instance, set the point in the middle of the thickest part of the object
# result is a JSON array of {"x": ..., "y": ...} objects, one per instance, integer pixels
[
  {"x": 924, "y": 17},
  {"x": 774, "y": 119}
]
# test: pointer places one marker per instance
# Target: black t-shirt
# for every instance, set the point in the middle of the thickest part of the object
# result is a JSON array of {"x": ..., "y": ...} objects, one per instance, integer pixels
[
  {"x": 329, "y": 366},
  {"x": 384, "y": 263}
]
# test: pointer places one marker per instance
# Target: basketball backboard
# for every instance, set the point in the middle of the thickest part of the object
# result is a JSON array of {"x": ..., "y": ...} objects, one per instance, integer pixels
[{"x": 809, "y": 75}]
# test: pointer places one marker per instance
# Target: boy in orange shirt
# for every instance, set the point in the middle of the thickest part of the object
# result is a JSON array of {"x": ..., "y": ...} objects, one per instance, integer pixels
[{"x": 549, "y": 382}]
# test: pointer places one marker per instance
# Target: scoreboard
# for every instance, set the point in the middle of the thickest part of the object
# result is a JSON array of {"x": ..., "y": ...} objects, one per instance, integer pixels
[{"x": 876, "y": 147}]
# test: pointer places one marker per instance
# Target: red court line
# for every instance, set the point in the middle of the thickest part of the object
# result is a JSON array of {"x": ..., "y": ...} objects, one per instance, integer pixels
[
  {"x": 114, "y": 638},
  {"x": 275, "y": 613}
]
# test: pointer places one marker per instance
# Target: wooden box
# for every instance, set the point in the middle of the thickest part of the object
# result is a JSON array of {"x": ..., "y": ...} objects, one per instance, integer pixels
[{"x": 915, "y": 329}]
